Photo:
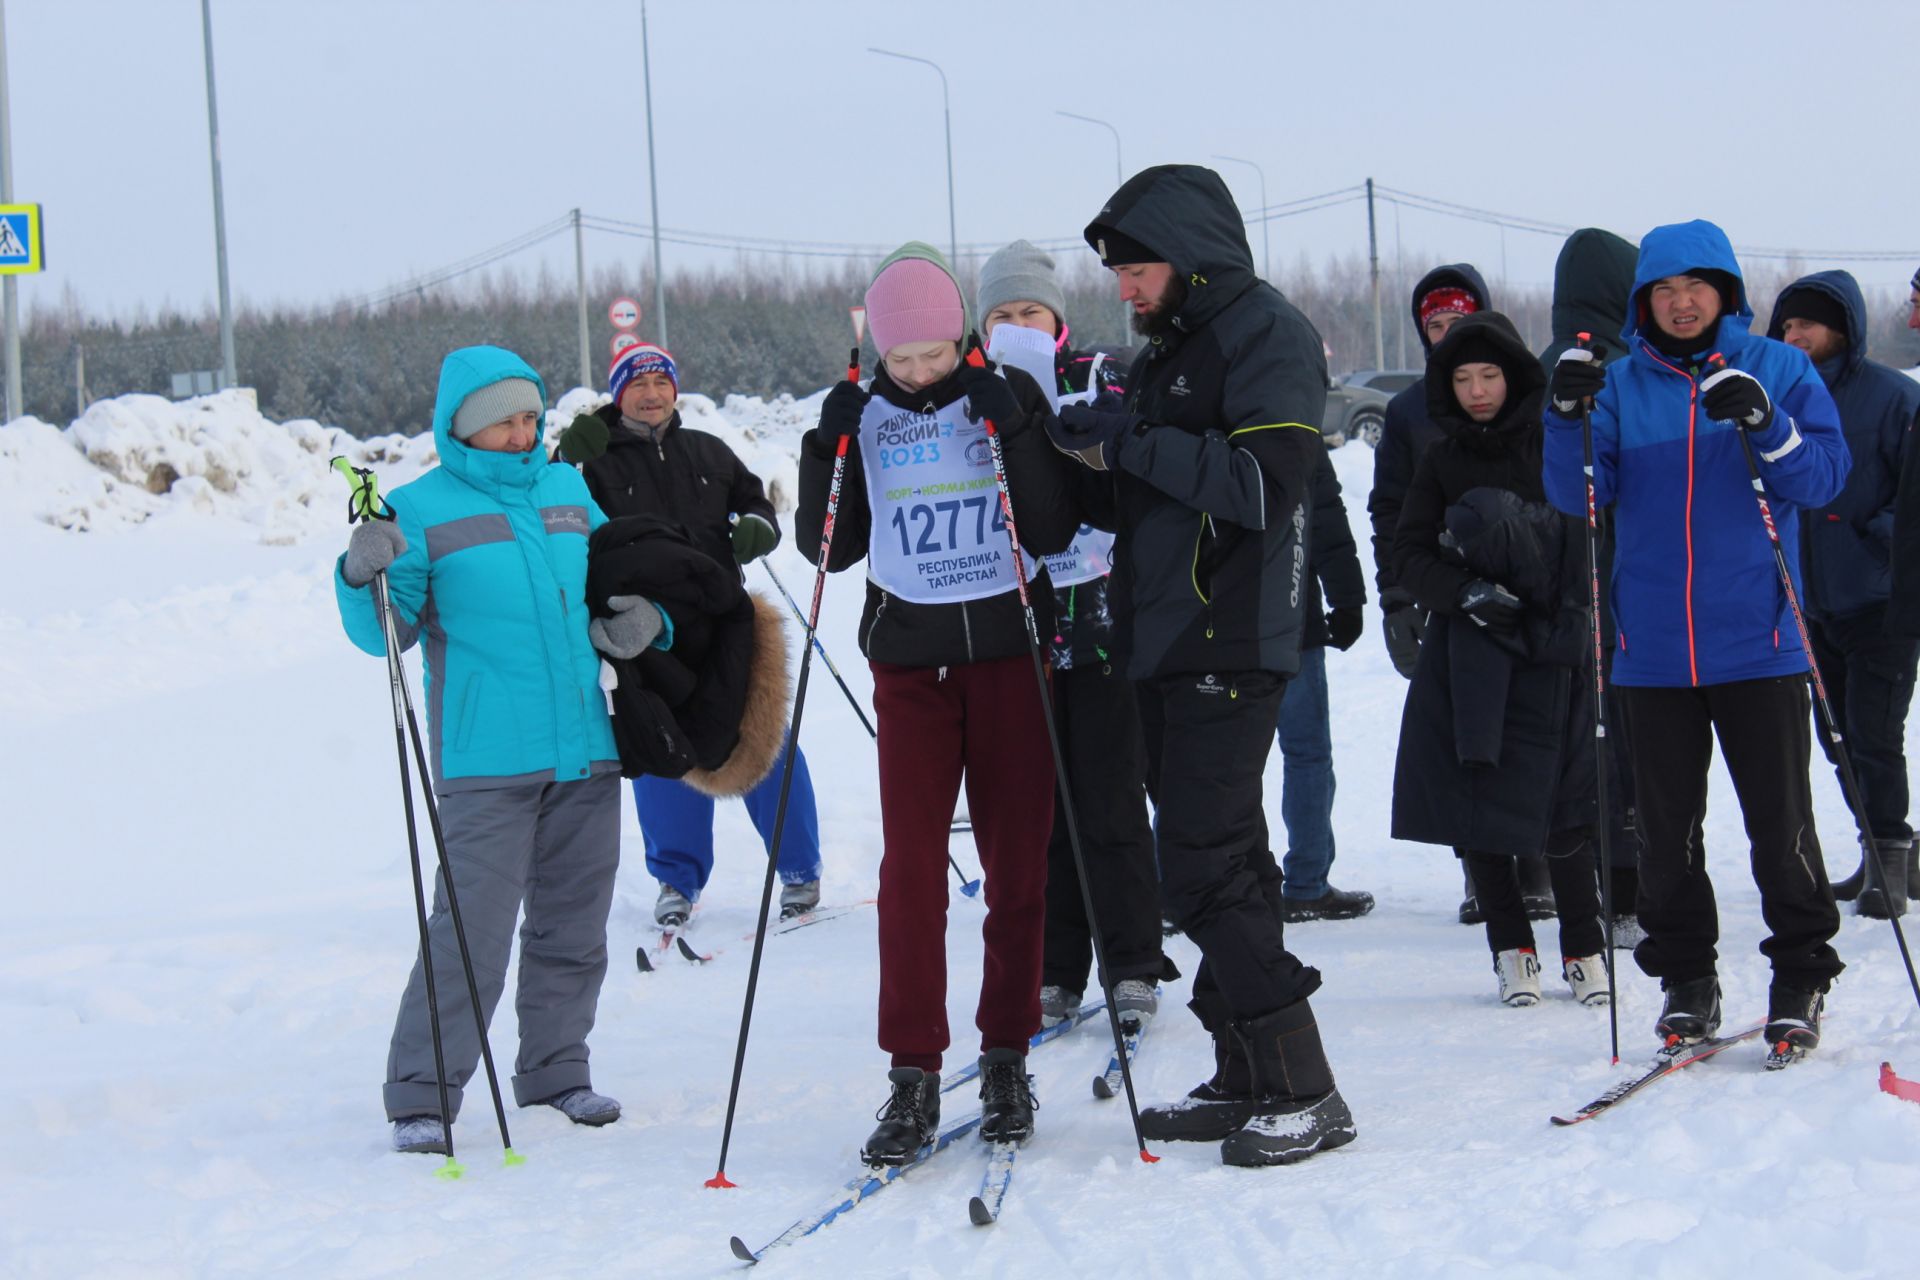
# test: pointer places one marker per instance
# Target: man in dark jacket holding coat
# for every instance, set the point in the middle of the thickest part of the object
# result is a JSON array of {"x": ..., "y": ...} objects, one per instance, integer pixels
[
  {"x": 1846, "y": 548},
  {"x": 1210, "y": 456}
]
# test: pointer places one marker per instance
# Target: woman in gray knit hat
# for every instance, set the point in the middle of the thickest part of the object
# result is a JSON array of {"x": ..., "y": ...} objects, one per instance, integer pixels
[{"x": 1093, "y": 703}]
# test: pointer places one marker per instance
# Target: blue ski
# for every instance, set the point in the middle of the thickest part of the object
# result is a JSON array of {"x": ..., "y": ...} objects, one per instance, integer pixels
[
  {"x": 984, "y": 1208},
  {"x": 1108, "y": 1084}
]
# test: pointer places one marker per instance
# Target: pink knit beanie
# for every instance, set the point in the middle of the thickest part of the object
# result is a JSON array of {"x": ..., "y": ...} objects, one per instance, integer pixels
[{"x": 914, "y": 300}]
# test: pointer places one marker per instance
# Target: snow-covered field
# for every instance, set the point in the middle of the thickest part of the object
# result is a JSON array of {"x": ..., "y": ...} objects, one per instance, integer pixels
[{"x": 211, "y": 921}]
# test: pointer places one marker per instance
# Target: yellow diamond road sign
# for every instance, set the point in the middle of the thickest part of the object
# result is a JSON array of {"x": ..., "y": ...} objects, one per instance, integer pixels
[{"x": 21, "y": 250}]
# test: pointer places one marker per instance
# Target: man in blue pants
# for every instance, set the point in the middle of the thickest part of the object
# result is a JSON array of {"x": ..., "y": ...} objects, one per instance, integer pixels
[{"x": 638, "y": 459}]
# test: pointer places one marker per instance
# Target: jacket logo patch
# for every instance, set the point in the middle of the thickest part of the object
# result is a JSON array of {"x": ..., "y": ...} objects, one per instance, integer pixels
[
  {"x": 565, "y": 519},
  {"x": 1180, "y": 387},
  {"x": 1209, "y": 684}
]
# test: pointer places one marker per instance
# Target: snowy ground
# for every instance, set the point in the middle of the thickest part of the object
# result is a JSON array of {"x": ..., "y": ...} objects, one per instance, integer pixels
[{"x": 212, "y": 922}]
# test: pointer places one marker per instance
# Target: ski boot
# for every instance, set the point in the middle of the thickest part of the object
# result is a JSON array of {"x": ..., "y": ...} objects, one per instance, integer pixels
[
  {"x": 1007, "y": 1103},
  {"x": 671, "y": 908},
  {"x": 1793, "y": 1023},
  {"x": 1587, "y": 975},
  {"x": 799, "y": 899},
  {"x": 1519, "y": 973},
  {"x": 1057, "y": 1004},
  {"x": 908, "y": 1120},
  {"x": 1692, "y": 1010},
  {"x": 1134, "y": 1002}
]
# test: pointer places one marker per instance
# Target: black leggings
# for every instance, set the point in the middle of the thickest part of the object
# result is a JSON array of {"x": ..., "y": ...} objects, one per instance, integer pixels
[{"x": 1576, "y": 894}]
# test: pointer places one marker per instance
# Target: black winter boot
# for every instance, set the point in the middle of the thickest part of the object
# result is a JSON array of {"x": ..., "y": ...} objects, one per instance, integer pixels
[
  {"x": 1299, "y": 1111},
  {"x": 1886, "y": 897},
  {"x": 1848, "y": 889},
  {"x": 1913, "y": 868},
  {"x": 1470, "y": 912},
  {"x": 1006, "y": 1096},
  {"x": 908, "y": 1120},
  {"x": 1692, "y": 1010},
  {"x": 1215, "y": 1107},
  {"x": 1536, "y": 889},
  {"x": 1793, "y": 1021}
]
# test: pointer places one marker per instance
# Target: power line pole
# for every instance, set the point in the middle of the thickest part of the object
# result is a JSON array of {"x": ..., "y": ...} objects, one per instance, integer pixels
[
  {"x": 653, "y": 183},
  {"x": 16, "y": 402},
  {"x": 229, "y": 376},
  {"x": 580, "y": 287},
  {"x": 1373, "y": 259}
]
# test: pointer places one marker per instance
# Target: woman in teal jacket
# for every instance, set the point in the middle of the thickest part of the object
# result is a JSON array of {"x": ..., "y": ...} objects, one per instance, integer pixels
[{"x": 486, "y": 564}]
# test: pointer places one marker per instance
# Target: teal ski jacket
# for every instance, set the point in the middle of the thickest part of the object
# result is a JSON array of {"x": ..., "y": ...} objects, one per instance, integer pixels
[{"x": 493, "y": 582}]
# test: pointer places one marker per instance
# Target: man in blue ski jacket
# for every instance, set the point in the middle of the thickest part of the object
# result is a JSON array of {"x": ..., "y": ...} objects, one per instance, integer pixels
[{"x": 1705, "y": 642}]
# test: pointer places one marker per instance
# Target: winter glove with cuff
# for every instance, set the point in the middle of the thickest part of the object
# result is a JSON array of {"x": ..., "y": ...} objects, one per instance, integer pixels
[
  {"x": 1344, "y": 626},
  {"x": 1404, "y": 626},
  {"x": 373, "y": 545},
  {"x": 636, "y": 623},
  {"x": 841, "y": 411},
  {"x": 753, "y": 537},
  {"x": 584, "y": 439},
  {"x": 1577, "y": 376},
  {"x": 1734, "y": 396},
  {"x": 989, "y": 397},
  {"x": 1491, "y": 606},
  {"x": 1091, "y": 435}
]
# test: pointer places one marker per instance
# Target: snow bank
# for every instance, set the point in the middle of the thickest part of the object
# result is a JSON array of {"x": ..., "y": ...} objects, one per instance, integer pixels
[{"x": 133, "y": 459}]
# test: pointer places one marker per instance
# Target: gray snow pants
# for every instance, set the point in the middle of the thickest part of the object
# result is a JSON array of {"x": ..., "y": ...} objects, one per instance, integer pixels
[{"x": 554, "y": 846}]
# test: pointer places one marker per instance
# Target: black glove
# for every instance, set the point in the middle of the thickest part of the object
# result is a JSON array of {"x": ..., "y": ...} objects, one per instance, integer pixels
[
  {"x": 1344, "y": 626},
  {"x": 1091, "y": 435},
  {"x": 584, "y": 439},
  {"x": 841, "y": 411},
  {"x": 1577, "y": 375},
  {"x": 989, "y": 397},
  {"x": 1492, "y": 606},
  {"x": 1405, "y": 625},
  {"x": 1738, "y": 397}
]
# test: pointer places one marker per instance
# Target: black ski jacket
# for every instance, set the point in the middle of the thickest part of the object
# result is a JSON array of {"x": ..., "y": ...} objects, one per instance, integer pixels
[
  {"x": 1408, "y": 430},
  {"x": 1045, "y": 510},
  {"x": 689, "y": 477},
  {"x": 1210, "y": 493}
]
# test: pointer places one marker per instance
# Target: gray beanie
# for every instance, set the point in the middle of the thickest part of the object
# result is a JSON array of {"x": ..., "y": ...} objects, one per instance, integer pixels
[
  {"x": 495, "y": 402},
  {"x": 1020, "y": 273}
]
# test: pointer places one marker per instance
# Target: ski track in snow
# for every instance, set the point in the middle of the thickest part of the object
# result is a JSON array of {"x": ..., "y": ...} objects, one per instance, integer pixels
[{"x": 215, "y": 922}]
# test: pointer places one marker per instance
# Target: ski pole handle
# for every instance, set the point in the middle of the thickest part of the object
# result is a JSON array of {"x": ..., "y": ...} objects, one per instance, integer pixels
[
  {"x": 853, "y": 366},
  {"x": 363, "y": 497}
]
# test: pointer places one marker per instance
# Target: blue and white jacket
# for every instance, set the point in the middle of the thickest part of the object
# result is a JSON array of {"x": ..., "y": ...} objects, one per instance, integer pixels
[
  {"x": 1696, "y": 593},
  {"x": 493, "y": 580}
]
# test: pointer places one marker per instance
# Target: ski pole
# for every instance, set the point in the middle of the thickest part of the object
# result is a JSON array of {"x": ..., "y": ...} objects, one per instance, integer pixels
[
  {"x": 967, "y": 887},
  {"x": 1604, "y": 822},
  {"x": 1829, "y": 724},
  {"x": 975, "y": 359},
  {"x": 719, "y": 1179},
  {"x": 364, "y": 503}
]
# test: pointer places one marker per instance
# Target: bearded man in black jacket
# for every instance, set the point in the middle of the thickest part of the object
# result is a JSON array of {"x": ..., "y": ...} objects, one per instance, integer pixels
[{"x": 1206, "y": 464}]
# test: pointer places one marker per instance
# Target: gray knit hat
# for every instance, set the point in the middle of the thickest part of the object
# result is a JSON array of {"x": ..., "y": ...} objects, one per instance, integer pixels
[
  {"x": 1020, "y": 273},
  {"x": 495, "y": 402}
]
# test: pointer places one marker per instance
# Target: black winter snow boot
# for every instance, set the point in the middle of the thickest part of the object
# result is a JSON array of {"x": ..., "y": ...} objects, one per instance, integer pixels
[
  {"x": 908, "y": 1120},
  {"x": 1692, "y": 1010},
  {"x": 1913, "y": 868},
  {"x": 1470, "y": 912},
  {"x": 1886, "y": 897},
  {"x": 1536, "y": 889},
  {"x": 1848, "y": 889},
  {"x": 1298, "y": 1111},
  {"x": 1006, "y": 1096},
  {"x": 1217, "y": 1106}
]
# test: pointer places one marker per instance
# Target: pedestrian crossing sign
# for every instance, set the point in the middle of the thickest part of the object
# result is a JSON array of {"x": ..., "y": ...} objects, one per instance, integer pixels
[{"x": 21, "y": 251}]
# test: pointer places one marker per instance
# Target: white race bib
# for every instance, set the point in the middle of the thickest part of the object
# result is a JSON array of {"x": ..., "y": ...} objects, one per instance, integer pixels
[{"x": 938, "y": 536}]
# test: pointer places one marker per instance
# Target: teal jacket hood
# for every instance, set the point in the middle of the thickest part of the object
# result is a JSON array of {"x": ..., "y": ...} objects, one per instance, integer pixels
[{"x": 462, "y": 373}]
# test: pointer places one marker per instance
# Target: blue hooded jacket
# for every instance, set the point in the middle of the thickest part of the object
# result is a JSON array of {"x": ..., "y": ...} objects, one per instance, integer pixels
[
  {"x": 1848, "y": 544},
  {"x": 1696, "y": 594},
  {"x": 494, "y": 580}
]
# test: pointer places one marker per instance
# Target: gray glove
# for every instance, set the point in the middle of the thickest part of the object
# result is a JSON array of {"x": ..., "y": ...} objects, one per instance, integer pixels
[
  {"x": 635, "y": 624},
  {"x": 1403, "y": 629},
  {"x": 373, "y": 546}
]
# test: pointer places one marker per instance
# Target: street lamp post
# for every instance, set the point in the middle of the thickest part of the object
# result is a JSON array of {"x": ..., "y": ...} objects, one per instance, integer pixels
[
  {"x": 653, "y": 184},
  {"x": 1119, "y": 177},
  {"x": 228, "y": 374},
  {"x": 953, "y": 234},
  {"x": 1266, "y": 258}
]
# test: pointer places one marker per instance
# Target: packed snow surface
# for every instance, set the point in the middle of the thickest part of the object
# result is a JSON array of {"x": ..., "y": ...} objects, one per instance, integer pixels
[{"x": 212, "y": 921}]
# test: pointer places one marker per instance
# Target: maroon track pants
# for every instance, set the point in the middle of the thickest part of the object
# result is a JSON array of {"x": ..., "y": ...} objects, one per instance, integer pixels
[{"x": 982, "y": 720}]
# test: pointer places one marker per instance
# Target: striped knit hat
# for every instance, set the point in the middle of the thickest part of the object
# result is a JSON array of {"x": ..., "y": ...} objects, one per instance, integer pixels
[{"x": 636, "y": 360}]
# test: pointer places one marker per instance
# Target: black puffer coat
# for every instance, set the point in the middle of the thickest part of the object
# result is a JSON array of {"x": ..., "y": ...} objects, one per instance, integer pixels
[
  {"x": 1495, "y": 748},
  {"x": 710, "y": 708}
]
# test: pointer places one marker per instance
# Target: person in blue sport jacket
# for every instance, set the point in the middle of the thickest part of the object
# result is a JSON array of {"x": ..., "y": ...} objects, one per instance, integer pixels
[
  {"x": 1847, "y": 555},
  {"x": 1705, "y": 642},
  {"x": 486, "y": 565}
]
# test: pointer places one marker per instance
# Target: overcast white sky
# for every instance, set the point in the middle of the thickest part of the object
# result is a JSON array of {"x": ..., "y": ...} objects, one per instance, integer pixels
[{"x": 367, "y": 140}]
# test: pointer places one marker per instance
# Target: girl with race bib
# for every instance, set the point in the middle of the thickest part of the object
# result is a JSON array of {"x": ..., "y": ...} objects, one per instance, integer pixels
[
  {"x": 954, "y": 690},
  {"x": 1094, "y": 710}
]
